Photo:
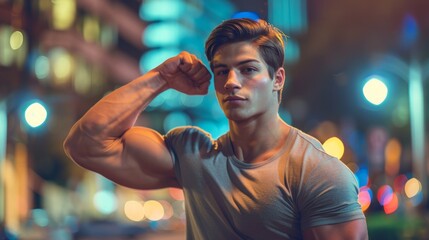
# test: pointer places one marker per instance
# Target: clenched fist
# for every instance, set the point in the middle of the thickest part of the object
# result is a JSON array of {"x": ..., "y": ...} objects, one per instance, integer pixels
[{"x": 185, "y": 73}]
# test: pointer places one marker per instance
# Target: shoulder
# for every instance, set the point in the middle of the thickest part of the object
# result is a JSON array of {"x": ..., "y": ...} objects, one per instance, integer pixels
[
  {"x": 188, "y": 136},
  {"x": 308, "y": 150},
  {"x": 327, "y": 189},
  {"x": 319, "y": 163},
  {"x": 317, "y": 169}
]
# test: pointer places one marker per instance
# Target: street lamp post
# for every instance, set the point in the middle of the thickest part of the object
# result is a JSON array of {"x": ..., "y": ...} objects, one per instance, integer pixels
[{"x": 414, "y": 74}]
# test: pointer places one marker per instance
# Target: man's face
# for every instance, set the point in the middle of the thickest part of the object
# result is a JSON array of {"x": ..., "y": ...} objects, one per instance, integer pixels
[{"x": 243, "y": 86}]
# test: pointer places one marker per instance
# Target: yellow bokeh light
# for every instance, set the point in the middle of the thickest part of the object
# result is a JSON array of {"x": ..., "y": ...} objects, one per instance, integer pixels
[
  {"x": 82, "y": 81},
  {"x": 62, "y": 66},
  {"x": 11, "y": 197},
  {"x": 91, "y": 29},
  {"x": 412, "y": 187},
  {"x": 63, "y": 13},
  {"x": 134, "y": 211},
  {"x": 16, "y": 40},
  {"x": 153, "y": 210},
  {"x": 6, "y": 52},
  {"x": 393, "y": 154},
  {"x": 334, "y": 147}
]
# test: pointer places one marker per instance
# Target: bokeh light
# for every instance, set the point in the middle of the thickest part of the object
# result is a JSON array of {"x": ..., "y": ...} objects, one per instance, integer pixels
[
  {"x": 105, "y": 201},
  {"x": 91, "y": 29},
  {"x": 362, "y": 176},
  {"x": 168, "y": 209},
  {"x": 399, "y": 183},
  {"x": 6, "y": 52},
  {"x": 63, "y": 13},
  {"x": 35, "y": 114},
  {"x": 393, "y": 154},
  {"x": 62, "y": 66},
  {"x": 191, "y": 100},
  {"x": 134, "y": 210},
  {"x": 154, "y": 57},
  {"x": 391, "y": 206},
  {"x": 410, "y": 31},
  {"x": 151, "y": 10},
  {"x": 176, "y": 194},
  {"x": 154, "y": 34},
  {"x": 412, "y": 187},
  {"x": 365, "y": 197},
  {"x": 40, "y": 217},
  {"x": 41, "y": 67},
  {"x": 384, "y": 194},
  {"x": 334, "y": 147},
  {"x": 16, "y": 40},
  {"x": 417, "y": 199},
  {"x": 83, "y": 81},
  {"x": 171, "y": 100},
  {"x": 153, "y": 210},
  {"x": 375, "y": 91}
]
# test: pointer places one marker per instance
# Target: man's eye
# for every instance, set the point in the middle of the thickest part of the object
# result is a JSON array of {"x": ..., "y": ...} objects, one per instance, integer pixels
[
  {"x": 222, "y": 72},
  {"x": 249, "y": 70}
]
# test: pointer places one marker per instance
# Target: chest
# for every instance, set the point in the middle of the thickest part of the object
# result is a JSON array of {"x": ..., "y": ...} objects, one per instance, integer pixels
[{"x": 255, "y": 201}]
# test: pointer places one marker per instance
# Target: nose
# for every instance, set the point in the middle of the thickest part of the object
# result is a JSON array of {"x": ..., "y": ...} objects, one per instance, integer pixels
[{"x": 232, "y": 82}]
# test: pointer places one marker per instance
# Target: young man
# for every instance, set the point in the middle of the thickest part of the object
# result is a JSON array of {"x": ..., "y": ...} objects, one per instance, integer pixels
[{"x": 263, "y": 179}]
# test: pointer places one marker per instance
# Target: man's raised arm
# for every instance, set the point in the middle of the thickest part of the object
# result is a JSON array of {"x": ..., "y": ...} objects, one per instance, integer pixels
[{"x": 106, "y": 141}]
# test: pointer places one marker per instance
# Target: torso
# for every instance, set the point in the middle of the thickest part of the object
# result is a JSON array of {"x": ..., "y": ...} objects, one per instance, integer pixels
[{"x": 230, "y": 199}]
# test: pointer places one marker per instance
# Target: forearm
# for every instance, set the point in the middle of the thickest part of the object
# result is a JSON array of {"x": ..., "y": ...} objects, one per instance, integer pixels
[{"x": 115, "y": 113}]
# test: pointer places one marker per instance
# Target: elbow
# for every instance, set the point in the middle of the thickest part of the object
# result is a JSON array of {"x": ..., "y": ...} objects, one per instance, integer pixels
[
  {"x": 74, "y": 147},
  {"x": 70, "y": 149},
  {"x": 75, "y": 153}
]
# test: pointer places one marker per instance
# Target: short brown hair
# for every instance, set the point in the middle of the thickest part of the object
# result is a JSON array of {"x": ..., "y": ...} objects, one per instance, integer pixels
[{"x": 269, "y": 39}]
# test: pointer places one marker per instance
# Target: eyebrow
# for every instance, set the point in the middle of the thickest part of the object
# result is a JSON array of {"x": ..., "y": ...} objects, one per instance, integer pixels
[{"x": 221, "y": 65}]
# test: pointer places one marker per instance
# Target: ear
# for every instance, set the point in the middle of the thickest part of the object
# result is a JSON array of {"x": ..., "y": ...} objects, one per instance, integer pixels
[{"x": 279, "y": 79}]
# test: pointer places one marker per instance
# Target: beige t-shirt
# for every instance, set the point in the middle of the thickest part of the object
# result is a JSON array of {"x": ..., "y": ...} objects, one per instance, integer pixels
[{"x": 225, "y": 198}]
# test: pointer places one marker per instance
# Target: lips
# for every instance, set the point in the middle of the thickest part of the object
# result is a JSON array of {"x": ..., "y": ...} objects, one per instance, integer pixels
[{"x": 233, "y": 98}]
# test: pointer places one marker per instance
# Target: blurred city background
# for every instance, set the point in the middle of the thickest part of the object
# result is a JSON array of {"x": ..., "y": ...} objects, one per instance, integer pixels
[{"x": 357, "y": 80}]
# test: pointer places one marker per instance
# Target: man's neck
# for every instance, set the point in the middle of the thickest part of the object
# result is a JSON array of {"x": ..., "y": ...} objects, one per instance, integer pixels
[{"x": 257, "y": 141}]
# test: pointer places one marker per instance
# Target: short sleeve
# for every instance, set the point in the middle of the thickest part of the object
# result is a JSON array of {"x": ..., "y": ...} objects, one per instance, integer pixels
[
  {"x": 329, "y": 195},
  {"x": 186, "y": 145}
]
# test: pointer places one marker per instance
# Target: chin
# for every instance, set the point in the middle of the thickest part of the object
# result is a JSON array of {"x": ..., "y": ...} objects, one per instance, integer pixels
[{"x": 237, "y": 117}]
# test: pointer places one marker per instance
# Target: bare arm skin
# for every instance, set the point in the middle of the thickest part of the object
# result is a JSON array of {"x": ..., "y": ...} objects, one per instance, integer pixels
[
  {"x": 106, "y": 141},
  {"x": 352, "y": 230}
]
